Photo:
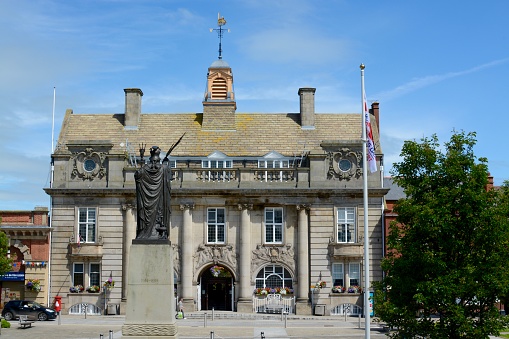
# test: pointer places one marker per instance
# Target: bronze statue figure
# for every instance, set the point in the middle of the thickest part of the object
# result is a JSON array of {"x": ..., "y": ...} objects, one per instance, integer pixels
[{"x": 153, "y": 197}]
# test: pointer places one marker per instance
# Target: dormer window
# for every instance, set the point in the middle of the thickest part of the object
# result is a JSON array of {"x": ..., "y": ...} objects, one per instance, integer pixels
[{"x": 216, "y": 161}]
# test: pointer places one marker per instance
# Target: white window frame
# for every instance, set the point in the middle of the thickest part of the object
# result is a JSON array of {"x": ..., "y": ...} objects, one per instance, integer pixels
[
  {"x": 269, "y": 274},
  {"x": 273, "y": 225},
  {"x": 215, "y": 225},
  {"x": 88, "y": 223},
  {"x": 91, "y": 272},
  {"x": 217, "y": 172},
  {"x": 338, "y": 273},
  {"x": 74, "y": 272},
  {"x": 357, "y": 275},
  {"x": 346, "y": 225}
]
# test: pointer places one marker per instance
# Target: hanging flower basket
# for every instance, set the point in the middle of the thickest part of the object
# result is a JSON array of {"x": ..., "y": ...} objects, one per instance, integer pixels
[
  {"x": 109, "y": 284},
  {"x": 216, "y": 270},
  {"x": 321, "y": 284},
  {"x": 33, "y": 285}
]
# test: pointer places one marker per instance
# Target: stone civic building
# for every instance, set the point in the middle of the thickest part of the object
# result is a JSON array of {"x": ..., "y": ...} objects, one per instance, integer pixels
[{"x": 258, "y": 200}]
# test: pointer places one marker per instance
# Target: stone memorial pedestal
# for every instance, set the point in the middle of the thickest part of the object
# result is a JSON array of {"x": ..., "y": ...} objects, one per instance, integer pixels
[{"x": 150, "y": 309}]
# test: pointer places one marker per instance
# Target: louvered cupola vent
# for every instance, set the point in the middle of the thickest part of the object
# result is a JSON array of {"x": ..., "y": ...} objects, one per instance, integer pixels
[{"x": 219, "y": 89}]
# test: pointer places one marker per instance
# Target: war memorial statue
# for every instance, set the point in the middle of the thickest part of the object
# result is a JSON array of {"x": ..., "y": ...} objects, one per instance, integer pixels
[
  {"x": 150, "y": 309},
  {"x": 153, "y": 197}
]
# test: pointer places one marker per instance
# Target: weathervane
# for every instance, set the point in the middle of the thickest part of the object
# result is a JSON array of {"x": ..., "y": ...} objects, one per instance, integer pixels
[{"x": 220, "y": 23}]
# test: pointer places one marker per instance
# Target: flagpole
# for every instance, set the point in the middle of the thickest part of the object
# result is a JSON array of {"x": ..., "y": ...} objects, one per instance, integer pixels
[{"x": 367, "y": 319}]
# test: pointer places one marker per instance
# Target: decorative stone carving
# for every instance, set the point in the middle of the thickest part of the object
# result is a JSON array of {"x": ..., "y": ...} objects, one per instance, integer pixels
[
  {"x": 215, "y": 253},
  {"x": 88, "y": 164},
  {"x": 344, "y": 164},
  {"x": 264, "y": 254}
]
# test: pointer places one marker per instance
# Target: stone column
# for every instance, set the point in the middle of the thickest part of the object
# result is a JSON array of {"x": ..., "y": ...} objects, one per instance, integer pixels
[
  {"x": 129, "y": 234},
  {"x": 186, "y": 260},
  {"x": 245, "y": 303},
  {"x": 303, "y": 306}
]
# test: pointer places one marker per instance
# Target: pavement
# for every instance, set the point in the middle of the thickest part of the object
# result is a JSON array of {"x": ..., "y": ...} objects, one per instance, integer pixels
[{"x": 195, "y": 326}]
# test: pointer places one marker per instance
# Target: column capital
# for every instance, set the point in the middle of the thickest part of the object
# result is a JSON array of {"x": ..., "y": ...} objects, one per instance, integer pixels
[
  {"x": 127, "y": 206},
  {"x": 306, "y": 207},
  {"x": 248, "y": 207},
  {"x": 187, "y": 206}
]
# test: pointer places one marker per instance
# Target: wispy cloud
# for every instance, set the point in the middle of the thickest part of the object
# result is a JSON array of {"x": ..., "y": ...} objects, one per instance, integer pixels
[{"x": 432, "y": 79}]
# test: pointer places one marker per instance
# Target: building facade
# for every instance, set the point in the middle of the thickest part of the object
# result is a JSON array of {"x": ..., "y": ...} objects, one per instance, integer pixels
[
  {"x": 259, "y": 201},
  {"x": 29, "y": 248}
]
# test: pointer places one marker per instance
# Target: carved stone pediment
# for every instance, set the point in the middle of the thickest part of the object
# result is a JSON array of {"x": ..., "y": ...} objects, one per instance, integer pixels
[
  {"x": 344, "y": 164},
  {"x": 264, "y": 254},
  {"x": 215, "y": 254},
  {"x": 88, "y": 164}
]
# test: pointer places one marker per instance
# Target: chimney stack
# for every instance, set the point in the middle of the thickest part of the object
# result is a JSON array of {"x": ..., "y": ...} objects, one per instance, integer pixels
[
  {"x": 375, "y": 110},
  {"x": 307, "y": 108},
  {"x": 132, "y": 108}
]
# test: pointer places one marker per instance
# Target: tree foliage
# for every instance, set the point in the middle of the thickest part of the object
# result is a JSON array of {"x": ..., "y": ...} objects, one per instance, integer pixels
[
  {"x": 5, "y": 263},
  {"x": 448, "y": 248}
]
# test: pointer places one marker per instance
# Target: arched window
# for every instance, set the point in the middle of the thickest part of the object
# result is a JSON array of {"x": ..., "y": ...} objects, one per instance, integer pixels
[{"x": 273, "y": 276}]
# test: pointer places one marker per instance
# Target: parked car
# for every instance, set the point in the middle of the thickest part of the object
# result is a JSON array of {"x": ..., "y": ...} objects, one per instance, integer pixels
[{"x": 35, "y": 311}]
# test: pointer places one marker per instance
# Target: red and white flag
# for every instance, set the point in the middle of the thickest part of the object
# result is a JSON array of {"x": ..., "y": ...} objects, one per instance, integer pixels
[{"x": 370, "y": 145}]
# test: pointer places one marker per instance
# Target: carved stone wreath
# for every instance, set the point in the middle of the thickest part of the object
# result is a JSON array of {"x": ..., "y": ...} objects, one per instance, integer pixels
[
  {"x": 344, "y": 164},
  {"x": 88, "y": 164}
]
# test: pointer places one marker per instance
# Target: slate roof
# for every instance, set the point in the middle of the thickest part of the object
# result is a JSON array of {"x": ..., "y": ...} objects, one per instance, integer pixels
[{"x": 255, "y": 134}]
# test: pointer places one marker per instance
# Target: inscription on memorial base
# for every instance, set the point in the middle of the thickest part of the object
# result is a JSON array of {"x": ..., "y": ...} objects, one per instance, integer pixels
[{"x": 150, "y": 310}]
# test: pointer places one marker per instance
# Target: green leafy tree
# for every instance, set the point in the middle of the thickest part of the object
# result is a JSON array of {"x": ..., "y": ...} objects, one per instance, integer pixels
[
  {"x": 448, "y": 248},
  {"x": 5, "y": 263}
]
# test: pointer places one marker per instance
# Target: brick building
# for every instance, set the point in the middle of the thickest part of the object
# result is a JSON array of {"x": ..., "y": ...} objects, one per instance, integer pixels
[{"x": 29, "y": 240}]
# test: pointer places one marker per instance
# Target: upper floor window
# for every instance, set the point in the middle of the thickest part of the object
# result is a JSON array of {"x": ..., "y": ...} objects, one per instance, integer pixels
[
  {"x": 217, "y": 164},
  {"x": 94, "y": 275},
  {"x": 216, "y": 225},
  {"x": 354, "y": 274},
  {"x": 346, "y": 224},
  {"x": 87, "y": 224},
  {"x": 273, "y": 163},
  {"x": 338, "y": 274},
  {"x": 78, "y": 274},
  {"x": 273, "y": 225}
]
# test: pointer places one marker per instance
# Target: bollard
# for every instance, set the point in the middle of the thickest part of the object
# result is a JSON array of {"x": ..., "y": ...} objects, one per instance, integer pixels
[
  {"x": 205, "y": 319},
  {"x": 211, "y": 335},
  {"x": 101, "y": 336},
  {"x": 111, "y": 335},
  {"x": 212, "y": 313},
  {"x": 286, "y": 318},
  {"x": 59, "y": 321},
  {"x": 359, "y": 321},
  {"x": 86, "y": 305},
  {"x": 262, "y": 335}
]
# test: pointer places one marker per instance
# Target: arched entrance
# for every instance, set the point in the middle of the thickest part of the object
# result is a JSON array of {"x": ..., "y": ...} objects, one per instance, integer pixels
[{"x": 216, "y": 289}]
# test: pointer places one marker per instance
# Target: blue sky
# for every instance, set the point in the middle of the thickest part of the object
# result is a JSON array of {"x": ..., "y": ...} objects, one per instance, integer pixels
[{"x": 434, "y": 66}]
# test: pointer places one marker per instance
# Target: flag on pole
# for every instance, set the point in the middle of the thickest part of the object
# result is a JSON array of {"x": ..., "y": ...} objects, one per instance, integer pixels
[{"x": 370, "y": 145}]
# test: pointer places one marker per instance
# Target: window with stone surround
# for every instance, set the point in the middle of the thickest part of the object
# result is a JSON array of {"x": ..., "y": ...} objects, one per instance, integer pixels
[
  {"x": 346, "y": 225},
  {"x": 78, "y": 274},
  {"x": 87, "y": 222},
  {"x": 273, "y": 225},
  {"x": 94, "y": 275},
  {"x": 338, "y": 275},
  {"x": 216, "y": 225}
]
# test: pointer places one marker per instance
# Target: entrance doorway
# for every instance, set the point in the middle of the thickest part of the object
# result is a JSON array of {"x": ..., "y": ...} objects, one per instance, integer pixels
[{"x": 217, "y": 289}]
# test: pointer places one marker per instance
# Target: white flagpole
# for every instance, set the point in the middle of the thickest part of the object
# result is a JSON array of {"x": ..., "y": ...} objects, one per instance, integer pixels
[{"x": 367, "y": 318}]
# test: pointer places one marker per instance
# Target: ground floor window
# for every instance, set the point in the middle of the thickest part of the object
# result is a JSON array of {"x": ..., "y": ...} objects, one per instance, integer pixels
[{"x": 273, "y": 276}]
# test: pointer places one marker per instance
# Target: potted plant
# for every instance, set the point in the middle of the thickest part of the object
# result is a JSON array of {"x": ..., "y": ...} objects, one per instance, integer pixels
[
  {"x": 321, "y": 284},
  {"x": 354, "y": 289},
  {"x": 93, "y": 289},
  {"x": 76, "y": 289},
  {"x": 338, "y": 289}
]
